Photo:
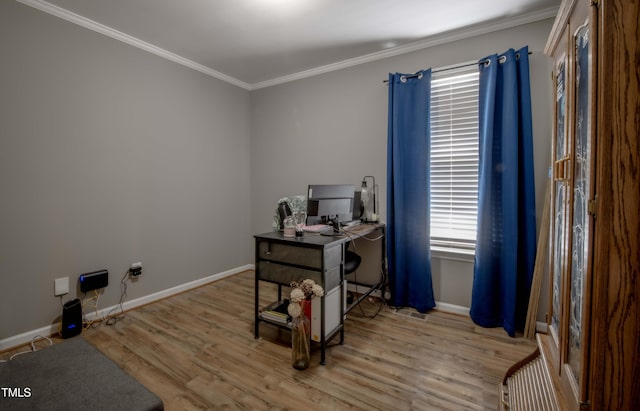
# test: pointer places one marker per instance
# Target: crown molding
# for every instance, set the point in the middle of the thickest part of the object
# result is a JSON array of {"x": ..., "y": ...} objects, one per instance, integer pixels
[
  {"x": 130, "y": 40},
  {"x": 407, "y": 48},
  {"x": 432, "y": 41}
]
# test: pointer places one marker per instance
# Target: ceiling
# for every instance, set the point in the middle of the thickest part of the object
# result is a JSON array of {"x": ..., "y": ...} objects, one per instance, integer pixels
[{"x": 257, "y": 43}]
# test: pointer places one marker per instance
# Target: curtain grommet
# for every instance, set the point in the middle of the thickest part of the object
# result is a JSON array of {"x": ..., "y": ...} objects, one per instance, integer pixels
[
  {"x": 403, "y": 79},
  {"x": 420, "y": 76},
  {"x": 502, "y": 59}
]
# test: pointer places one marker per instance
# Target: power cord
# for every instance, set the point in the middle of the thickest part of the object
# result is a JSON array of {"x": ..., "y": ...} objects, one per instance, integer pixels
[
  {"x": 112, "y": 319},
  {"x": 380, "y": 305},
  {"x": 96, "y": 297},
  {"x": 379, "y": 286},
  {"x": 33, "y": 347}
]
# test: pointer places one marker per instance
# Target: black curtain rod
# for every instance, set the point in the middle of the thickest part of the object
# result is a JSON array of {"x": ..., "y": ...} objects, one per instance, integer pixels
[{"x": 453, "y": 68}]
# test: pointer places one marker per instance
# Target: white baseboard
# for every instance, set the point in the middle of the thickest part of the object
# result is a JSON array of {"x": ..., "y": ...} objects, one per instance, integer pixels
[
  {"x": 26, "y": 337},
  {"x": 444, "y": 307},
  {"x": 128, "y": 305},
  {"x": 52, "y": 329},
  {"x": 452, "y": 308},
  {"x": 541, "y": 327}
]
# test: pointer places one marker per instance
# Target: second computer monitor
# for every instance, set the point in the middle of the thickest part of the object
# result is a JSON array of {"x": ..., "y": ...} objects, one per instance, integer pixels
[{"x": 330, "y": 203}]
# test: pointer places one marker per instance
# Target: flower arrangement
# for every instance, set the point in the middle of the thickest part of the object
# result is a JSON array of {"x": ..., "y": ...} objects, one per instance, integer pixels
[{"x": 302, "y": 291}]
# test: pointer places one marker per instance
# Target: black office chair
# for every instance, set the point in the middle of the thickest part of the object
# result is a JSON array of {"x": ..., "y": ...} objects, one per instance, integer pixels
[{"x": 351, "y": 262}]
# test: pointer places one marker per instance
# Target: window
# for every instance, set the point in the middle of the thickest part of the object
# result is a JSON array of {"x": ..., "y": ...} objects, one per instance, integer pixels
[{"x": 454, "y": 158}]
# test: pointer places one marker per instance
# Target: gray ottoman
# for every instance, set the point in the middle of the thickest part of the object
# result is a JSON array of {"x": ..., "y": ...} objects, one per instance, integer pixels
[{"x": 71, "y": 375}]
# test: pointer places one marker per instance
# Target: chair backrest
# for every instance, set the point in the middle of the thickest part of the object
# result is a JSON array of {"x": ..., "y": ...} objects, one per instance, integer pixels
[{"x": 351, "y": 261}]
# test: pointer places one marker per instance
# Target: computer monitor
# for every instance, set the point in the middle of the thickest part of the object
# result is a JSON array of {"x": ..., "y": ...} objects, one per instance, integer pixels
[{"x": 330, "y": 203}]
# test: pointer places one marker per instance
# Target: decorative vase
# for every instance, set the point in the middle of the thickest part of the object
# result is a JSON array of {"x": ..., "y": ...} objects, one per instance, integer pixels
[
  {"x": 289, "y": 227},
  {"x": 300, "y": 340}
]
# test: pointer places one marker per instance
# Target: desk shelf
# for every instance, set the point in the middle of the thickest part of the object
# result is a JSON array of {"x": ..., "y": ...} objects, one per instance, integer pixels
[{"x": 275, "y": 314}]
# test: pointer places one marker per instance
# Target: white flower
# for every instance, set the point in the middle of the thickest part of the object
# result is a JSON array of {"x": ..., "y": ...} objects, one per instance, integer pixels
[
  {"x": 294, "y": 310},
  {"x": 308, "y": 283},
  {"x": 297, "y": 295},
  {"x": 318, "y": 291}
]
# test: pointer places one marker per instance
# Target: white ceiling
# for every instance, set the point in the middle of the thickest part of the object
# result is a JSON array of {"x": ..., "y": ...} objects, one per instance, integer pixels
[{"x": 256, "y": 43}]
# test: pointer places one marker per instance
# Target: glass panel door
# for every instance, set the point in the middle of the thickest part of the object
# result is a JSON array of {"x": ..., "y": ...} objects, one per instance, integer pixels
[
  {"x": 558, "y": 251},
  {"x": 580, "y": 228}
]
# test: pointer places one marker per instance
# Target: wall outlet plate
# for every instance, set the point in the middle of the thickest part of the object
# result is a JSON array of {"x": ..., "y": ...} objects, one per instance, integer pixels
[
  {"x": 136, "y": 269},
  {"x": 61, "y": 286}
]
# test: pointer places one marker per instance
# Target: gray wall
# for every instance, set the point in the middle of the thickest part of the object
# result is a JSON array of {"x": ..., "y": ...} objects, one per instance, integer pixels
[
  {"x": 332, "y": 128},
  {"x": 110, "y": 155}
]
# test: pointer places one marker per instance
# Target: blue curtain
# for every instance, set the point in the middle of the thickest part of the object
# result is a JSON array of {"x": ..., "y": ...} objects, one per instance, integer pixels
[
  {"x": 408, "y": 148},
  {"x": 505, "y": 246}
]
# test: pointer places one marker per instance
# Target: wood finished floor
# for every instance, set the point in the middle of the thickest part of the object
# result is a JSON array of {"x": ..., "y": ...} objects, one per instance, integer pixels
[{"x": 196, "y": 350}]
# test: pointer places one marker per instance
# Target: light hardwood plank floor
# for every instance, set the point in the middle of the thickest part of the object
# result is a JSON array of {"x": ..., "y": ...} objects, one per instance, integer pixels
[{"x": 196, "y": 350}]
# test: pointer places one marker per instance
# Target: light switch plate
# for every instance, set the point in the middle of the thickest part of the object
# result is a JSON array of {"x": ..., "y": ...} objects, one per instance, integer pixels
[{"x": 61, "y": 286}]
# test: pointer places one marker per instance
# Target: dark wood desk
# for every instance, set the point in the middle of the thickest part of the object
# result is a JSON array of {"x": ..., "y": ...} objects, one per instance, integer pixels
[{"x": 280, "y": 260}]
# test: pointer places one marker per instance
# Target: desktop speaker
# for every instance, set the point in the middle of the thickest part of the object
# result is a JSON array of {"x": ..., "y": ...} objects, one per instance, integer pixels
[{"x": 71, "y": 318}]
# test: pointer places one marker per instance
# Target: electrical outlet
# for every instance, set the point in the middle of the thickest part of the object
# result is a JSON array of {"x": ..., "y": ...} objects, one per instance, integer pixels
[
  {"x": 61, "y": 286},
  {"x": 135, "y": 269}
]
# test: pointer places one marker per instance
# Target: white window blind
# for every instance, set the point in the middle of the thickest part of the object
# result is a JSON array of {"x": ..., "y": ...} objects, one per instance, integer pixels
[{"x": 454, "y": 157}]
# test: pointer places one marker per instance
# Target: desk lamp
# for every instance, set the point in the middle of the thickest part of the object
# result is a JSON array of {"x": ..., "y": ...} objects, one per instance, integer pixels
[{"x": 368, "y": 198}]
